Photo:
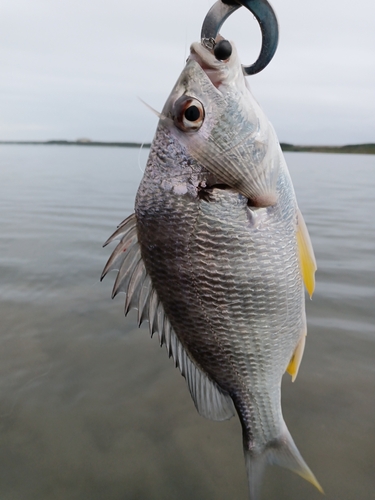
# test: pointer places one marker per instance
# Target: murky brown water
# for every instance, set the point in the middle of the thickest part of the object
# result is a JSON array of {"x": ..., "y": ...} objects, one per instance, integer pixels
[{"x": 91, "y": 408}]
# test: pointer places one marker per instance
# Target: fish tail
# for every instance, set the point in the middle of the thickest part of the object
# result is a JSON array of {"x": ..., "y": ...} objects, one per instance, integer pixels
[
  {"x": 284, "y": 452},
  {"x": 281, "y": 451}
]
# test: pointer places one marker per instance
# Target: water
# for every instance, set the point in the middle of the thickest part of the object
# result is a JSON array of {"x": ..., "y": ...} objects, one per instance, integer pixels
[{"x": 91, "y": 408}]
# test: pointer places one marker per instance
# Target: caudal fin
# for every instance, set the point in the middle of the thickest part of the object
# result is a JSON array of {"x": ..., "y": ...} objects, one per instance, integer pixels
[{"x": 281, "y": 451}]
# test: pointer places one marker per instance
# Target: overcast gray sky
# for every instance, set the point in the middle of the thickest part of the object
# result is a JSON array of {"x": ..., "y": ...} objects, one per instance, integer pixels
[{"x": 75, "y": 68}]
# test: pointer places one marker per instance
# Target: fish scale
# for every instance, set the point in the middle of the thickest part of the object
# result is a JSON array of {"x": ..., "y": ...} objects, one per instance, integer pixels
[{"x": 219, "y": 258}]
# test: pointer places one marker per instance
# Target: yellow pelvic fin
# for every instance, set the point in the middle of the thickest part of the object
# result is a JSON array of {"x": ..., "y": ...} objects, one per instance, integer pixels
[
  {"x": 306, "y": 254},
  {"x": 296, "y": 359}
]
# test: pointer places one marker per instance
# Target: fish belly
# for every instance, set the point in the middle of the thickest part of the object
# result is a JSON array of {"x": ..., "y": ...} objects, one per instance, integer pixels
[{"x": 228, "y": 278}]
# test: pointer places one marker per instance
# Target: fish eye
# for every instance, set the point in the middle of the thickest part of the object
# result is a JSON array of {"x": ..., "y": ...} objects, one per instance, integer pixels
[
  {"x": 188, "y": 114},
  {"x": 192, "y": 113}
]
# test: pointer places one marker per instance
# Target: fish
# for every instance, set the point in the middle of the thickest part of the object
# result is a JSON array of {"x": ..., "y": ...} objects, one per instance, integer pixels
[{"x": 216, "y": 255}]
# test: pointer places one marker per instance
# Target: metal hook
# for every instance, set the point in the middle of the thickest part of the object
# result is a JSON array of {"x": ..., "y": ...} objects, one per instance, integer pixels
[{"x": 267, "y": 20}]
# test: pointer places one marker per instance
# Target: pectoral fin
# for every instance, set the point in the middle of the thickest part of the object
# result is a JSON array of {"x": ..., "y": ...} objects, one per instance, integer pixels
[
  {"x": 295, "y": 362},
  {"x": 306, "y": 254}
]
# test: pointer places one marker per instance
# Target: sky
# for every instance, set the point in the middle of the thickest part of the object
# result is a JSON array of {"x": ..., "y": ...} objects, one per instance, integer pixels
[{"x": 74, "y": 69}]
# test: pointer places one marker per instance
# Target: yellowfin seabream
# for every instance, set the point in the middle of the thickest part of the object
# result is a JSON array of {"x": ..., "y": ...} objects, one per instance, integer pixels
[{"x": 216, "y": 255}]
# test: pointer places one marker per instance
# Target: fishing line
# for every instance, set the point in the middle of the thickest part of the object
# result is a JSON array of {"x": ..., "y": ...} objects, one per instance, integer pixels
[
  {"x": 139, "y": 157},
  {"x": 186, "y": 42},
  {"x": 97, "y": 282}
]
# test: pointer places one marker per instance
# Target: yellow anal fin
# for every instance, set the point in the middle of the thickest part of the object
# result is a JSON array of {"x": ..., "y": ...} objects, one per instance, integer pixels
[
  {"x": 295, "y": 362},
  {"x": 306, "y": 254}
]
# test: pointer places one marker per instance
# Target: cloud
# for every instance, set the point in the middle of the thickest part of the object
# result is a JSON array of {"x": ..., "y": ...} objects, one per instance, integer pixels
[{"x": 76, "y": 68}]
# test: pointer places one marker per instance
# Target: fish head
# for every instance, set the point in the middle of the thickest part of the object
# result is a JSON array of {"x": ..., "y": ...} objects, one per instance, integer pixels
[{"x": 213, "y": 115}]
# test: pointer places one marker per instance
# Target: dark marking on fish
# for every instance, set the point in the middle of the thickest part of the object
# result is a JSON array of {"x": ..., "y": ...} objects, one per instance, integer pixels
[{"x": 205, "y": 190}]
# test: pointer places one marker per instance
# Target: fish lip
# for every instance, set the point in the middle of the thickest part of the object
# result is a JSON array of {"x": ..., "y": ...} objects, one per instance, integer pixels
[
  {"x": 205, "y": 57},
  {"x": 194, "y": 56},
  {"x": 216, "y": 71}
]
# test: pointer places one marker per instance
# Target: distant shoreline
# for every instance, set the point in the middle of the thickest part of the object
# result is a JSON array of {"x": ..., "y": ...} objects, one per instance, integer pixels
[
  {"x": 82, "y": 143},
  {"x": 362, "y": 149},
  {"x": 347, "y": 149}
]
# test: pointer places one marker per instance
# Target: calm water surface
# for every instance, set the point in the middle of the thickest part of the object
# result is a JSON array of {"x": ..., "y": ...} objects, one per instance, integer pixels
[{"x": 91, "y": 408}]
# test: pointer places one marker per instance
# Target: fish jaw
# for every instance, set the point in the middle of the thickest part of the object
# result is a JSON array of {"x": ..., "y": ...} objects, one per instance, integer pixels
[
  {"x": 235, "y": 142},
  {"x": 220, "y": 73}
]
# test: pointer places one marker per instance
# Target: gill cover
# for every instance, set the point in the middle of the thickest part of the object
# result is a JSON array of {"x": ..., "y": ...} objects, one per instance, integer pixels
[{"x": 233, "y": 139}]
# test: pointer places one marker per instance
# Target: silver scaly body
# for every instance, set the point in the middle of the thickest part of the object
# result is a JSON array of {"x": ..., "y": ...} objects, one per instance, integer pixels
[{"x": 211, "y": 259}]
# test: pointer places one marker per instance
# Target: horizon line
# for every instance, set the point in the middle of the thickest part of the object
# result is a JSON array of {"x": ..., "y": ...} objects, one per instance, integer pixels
[{"x": 363, "y": 148}]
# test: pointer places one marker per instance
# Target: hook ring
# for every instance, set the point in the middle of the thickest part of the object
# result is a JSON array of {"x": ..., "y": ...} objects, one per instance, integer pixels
[{"x": 266, "y": 18}]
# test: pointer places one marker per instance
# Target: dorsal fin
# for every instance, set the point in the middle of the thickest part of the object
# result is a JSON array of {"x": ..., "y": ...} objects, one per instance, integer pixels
[
  {"x": 306, "y": 254},
  {"x": 132, "y": 278}
]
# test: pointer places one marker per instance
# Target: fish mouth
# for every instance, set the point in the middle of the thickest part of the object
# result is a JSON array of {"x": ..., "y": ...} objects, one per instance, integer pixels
[{"x": 217, "y": 71}]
